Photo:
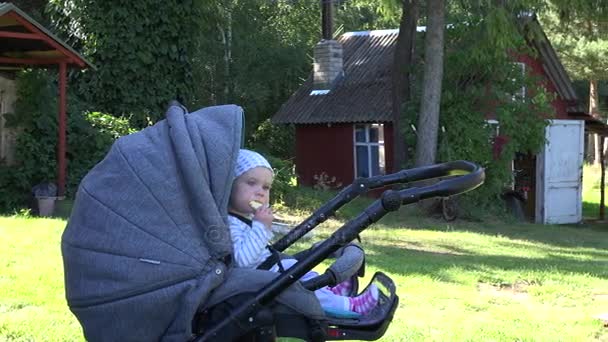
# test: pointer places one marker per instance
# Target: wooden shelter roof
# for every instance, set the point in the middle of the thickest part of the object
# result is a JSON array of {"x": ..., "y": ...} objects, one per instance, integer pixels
[{"x": 25, "y": 42}]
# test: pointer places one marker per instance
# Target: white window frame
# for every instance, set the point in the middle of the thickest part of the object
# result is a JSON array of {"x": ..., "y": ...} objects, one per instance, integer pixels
[
  {"x": 368, "y": 145},
  {"x": 495, "y": 124},
  {"x": 521, "y": 94}
]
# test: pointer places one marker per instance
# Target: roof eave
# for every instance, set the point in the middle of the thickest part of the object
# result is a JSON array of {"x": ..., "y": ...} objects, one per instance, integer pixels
[{"x": 551, "y": 62}]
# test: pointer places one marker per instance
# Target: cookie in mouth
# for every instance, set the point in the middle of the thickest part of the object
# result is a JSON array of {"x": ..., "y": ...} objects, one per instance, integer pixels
[{"x": 256, "y": 205}]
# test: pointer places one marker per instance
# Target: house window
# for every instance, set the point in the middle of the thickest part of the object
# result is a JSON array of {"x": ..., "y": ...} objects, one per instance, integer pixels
[
  {"x": 498, "y": 141},
  {"x": 369, "y": 150},
  {"x": 494, "y": 128},
  {"x": 520, "y": 93}
]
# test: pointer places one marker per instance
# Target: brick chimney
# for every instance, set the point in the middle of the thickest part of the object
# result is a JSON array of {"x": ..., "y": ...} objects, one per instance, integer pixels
[
  {"x": 327, "y": 53},
  {"x": 327, "y": 63}
]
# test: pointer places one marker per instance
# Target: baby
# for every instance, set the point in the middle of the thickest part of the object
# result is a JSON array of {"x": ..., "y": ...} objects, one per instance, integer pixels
[{"x": 250, "y": 219}]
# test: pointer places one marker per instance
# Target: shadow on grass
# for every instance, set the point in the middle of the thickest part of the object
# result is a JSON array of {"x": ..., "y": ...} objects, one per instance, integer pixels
[
  {"x": 592, "y": 235},
  {"x": 405, "y": 261}
]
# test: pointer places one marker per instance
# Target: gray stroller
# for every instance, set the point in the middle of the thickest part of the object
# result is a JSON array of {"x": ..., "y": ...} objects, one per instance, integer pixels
[{"x": 147, "y": 252}]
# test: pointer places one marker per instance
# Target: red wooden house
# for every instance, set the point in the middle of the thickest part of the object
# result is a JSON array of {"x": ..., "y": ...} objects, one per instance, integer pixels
[{"x": 342, "y": 113}]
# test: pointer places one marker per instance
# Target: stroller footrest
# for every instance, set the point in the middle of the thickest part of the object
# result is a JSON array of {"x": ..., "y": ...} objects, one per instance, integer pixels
[{"x": 373, "y": 325}]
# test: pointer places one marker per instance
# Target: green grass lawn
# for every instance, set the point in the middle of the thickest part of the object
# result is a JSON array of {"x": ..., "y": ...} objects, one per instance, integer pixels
[
  {"x": 591, "y": 192},
  {"x": 32, "y": 300},
  {"x": 456, "y": 282},
  {"x": 461, "y": 282}
]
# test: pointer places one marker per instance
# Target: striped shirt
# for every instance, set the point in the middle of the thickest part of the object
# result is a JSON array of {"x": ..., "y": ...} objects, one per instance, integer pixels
[{"x": 249, "y": 241}]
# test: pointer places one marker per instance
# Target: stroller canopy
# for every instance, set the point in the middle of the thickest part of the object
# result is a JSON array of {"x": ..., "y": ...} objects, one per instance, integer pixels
[{"x": 147, "y": 241}]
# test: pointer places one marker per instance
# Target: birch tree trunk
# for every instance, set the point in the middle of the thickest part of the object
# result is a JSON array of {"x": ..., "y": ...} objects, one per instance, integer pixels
[
  {"x": 428, "y": 120},
  {"x": 226, "y": 37}
]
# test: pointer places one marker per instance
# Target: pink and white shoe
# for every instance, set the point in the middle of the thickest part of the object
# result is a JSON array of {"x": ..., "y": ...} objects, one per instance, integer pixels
[
  {"x": 342, "y": 289},
  {"x": 365, "y": 302}
]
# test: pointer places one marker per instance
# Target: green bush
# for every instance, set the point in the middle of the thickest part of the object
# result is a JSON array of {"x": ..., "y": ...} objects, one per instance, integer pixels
[
  {"x": 89, "y": 138},
  {"x": 35, "y": 122},
  {"x": 143, "y": 51},
  {"x": 304, "y": 200},
  {"x": 286, "y": 192},
  {"x": 284, "y": 178},
  {"x": 275, "y": 140},
  {"x": 11, "y": 193},
  {"x": 90, "y": 135}
]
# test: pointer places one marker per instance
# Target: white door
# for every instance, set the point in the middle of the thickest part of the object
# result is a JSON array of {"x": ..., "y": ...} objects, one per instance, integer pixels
[{"x": 560, "y": 173}]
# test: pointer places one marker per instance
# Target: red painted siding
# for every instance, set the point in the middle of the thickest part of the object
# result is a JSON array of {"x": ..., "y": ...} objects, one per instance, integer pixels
[
  {"x": 535, "y": 67},
  {"x": 323, "y": 148},
  {"x": 320, "y": 148}
]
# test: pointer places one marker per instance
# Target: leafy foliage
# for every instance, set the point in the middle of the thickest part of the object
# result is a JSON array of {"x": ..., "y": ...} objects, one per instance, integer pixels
[
  {"x": 580, "y": 41},
  {"x": 90, "y": 135},
  {"x": 36, "y": 124},
  {"x": 274, "y": 139},
  {"x": 143, "y": 53},
  {"x": 35, "y": 119},
  {"x": 255, "y": 54},
  {"x": 284, "y": 178},
  {"x": 481, "y": 79}
]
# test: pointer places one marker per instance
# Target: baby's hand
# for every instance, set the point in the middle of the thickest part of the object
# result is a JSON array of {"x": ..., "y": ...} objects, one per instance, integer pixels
[{"x": 265, "y": 216}]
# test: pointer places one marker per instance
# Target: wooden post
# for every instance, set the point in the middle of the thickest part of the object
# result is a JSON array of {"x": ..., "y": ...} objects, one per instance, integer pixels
[{"x": 61, "y": 127}]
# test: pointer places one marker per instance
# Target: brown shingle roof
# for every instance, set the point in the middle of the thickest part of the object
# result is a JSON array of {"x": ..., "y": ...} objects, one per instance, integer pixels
[{"x": 362, "y": 95}]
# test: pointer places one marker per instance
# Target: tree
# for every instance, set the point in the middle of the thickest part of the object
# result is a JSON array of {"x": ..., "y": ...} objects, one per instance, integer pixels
[
  {"x": 33, "y": 8},
  {"x": 402, "y": 62},
  {"x": 428, "y": 119}
]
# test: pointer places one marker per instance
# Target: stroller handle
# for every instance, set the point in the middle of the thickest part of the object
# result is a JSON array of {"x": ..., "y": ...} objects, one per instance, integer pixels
[
  {"x": 466, "y": 176},
  {"x": 420, "y": 173},
  {"x": 362, "y": 185}
]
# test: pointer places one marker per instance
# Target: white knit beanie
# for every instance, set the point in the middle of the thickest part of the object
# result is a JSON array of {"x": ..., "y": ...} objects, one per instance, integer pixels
[{"x": 248, "y": 160}]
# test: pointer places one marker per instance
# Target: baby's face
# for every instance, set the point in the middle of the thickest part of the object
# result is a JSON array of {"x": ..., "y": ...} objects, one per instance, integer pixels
[{"x": 253, "y": 185}]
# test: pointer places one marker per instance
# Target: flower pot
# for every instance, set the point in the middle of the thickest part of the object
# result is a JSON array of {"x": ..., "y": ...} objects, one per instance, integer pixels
[{"x": 46, "y": 206}]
